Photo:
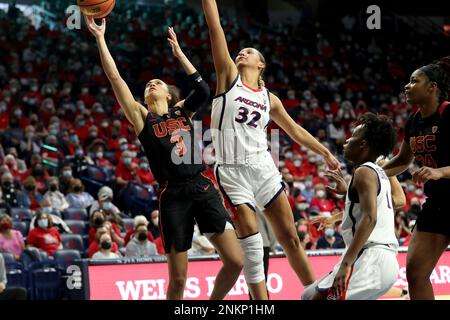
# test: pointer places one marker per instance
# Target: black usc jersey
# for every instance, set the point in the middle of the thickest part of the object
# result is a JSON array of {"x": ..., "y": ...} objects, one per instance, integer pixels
[
  {"x": 429, "y": 139},
  {"x": 168, "y": 142}
]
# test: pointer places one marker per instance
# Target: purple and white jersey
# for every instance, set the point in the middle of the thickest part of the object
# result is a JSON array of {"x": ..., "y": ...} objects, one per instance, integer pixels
[{"x": 239, "y": 121}]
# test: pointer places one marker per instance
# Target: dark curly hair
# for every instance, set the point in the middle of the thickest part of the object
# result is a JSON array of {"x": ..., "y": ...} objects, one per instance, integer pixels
[
  {"x": 439, "y": 71},
  {"x": 379, "y": 133}
]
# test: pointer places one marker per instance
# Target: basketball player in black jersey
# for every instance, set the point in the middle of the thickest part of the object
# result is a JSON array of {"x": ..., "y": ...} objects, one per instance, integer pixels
[
  {"x": 166, "y": 134},
  {"x": 427, "y": 140}
]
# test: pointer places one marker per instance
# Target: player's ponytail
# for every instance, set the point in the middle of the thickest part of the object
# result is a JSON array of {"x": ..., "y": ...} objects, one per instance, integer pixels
[
  {"x": 439, "y": 72},
  {"x": 261, "y": 82}
]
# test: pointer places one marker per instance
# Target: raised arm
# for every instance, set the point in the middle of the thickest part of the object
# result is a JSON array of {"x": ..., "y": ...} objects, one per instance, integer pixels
[
  {"x": 226, "y": 69},
  {"x": 400, "y": 162},
  {"x": 200, "y": 94},
  {"x": 297, "y": 133},
  {"x": 134, "y": 111}
]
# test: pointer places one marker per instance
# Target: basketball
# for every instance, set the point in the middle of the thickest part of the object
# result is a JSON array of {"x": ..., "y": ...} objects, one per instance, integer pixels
[{"x": 96, "y": 8}]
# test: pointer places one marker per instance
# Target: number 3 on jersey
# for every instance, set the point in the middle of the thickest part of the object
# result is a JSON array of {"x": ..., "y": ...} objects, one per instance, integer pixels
[
  {"x": 243, "y": 117},
  {"x": 179, "y": 143}
]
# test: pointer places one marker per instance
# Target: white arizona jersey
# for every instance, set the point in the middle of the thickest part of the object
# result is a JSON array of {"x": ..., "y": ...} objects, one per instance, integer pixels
[
  {"x": 238, "y": 124},
  {"x": 384, "y": 231}
]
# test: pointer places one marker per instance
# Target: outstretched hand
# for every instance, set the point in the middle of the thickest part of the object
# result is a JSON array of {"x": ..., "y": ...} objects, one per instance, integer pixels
[
  {"x": 338, "y": 177},
  {"x": 173, "y": 41},
  {"x": 97, "y": 30}
]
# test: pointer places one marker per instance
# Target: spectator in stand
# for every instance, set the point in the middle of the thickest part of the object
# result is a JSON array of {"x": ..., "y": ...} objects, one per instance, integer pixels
[
  {"x": 57, "y": 222},
  {"x": 402, "y": 230},
  {"x": 98, "y": 151},
  {"x": 10, "y": 240},
  {"x": 40, "y": 174},
  {"x": 94, "y": 245},
  {"x": 65, "y": 179},
  {"x": 8, "y": 192},
  {"x": 30, "y": 198},
  {"x": 138, "y": 221},
  {"x": 54, "y": 196},
  {"x": 104, "y": 200},
  {"x": 44, "y": 236},
  {"x": 305, "y": 240},
  {"x": 414, "y": 209},
  {"x": 140, "y": 245},
  {"x": 330, "y": 240},
  {"x": 144, "y": 173},
  {"x": 154, "y": 225},
  {"x": 77, "y": 197},
  {"x": 105, "y": 251},
  {"x": 309, "y": 191},
  {"x": 126, "y": 170},
  {"x": 325, "y": 205},
  {"x": 100, "y": 219}
]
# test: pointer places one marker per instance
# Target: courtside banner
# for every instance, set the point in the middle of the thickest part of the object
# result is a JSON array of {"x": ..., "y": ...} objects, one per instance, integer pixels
[{"x": 128, "y": 279}]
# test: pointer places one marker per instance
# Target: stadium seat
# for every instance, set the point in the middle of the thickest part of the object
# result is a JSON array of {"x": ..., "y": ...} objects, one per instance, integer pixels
[
  {"x": 16, "y": 275},
  {"x": 138, "y": 198},
  {"x": 21, "y": 226},
  {"x": 72, "y": 241},
  {"x": 29, "y": 256},
  {"x": 77, "y": 226},
  {"x": 21, "y": 214},
  {"x": 44, "y": 279},
  {"x": 9, "y": 258},
  {"x": 75, "y": 214},
  {"x": 65, "y": 258}
]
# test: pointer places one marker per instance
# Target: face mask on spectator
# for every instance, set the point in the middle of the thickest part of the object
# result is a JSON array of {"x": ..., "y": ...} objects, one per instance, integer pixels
[
  {"x": 297, "y": 163},
  {"x": 155, "y": 221},
  {"x": 329, "y": 232},
  {"x": 288, "y": 155},
  {"x": 18, "y": 113},
  {"x": 321, "y": 194},
  {"x": 47, "y": 210},
  {"x": 99, "y": 155},
  {"x": 104, "y": 90},
  {"x": 281, "y": 163},
  {"x": 43, "y": 223},
  {"x": 74, "y": 139},
  {"x": 67, "y": 173},
  {"x": 308, "y": 184},
  {"x": 123, "y": 147},
  {"x": 99, "y": 221},
  {"x": 93, "y": 134},
  {"x": 79, "y": 153},
  {"x": 6, "y": 225},
  {"x": 302, "y": 206},
  {"x": 107, "y": 205},
  {"x": 142, "y": 236},
  {"x": 105, "y": 245},
  {"x": 321, "y": 174},
  {"x": 419, "y": 192},
  {"x": 127, "y": 160},
  {"x": 7, "y": 184},
  {"x": 81, "y": 123},
  {"x": 144, "y": 166},
  {"x": 105, "y": 124},
  {"x": 410, "y": 188},
  {"x": 2, "y": 107}
]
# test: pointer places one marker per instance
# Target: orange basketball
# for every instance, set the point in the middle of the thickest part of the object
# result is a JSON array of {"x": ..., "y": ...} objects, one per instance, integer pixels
[{"x": 96, "y": 8}]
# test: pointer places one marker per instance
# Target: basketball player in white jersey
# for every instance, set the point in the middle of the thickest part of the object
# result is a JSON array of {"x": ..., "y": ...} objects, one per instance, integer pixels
[
  {"x": 245, "y": 170},
  {"x": 368, "y": 267}
]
